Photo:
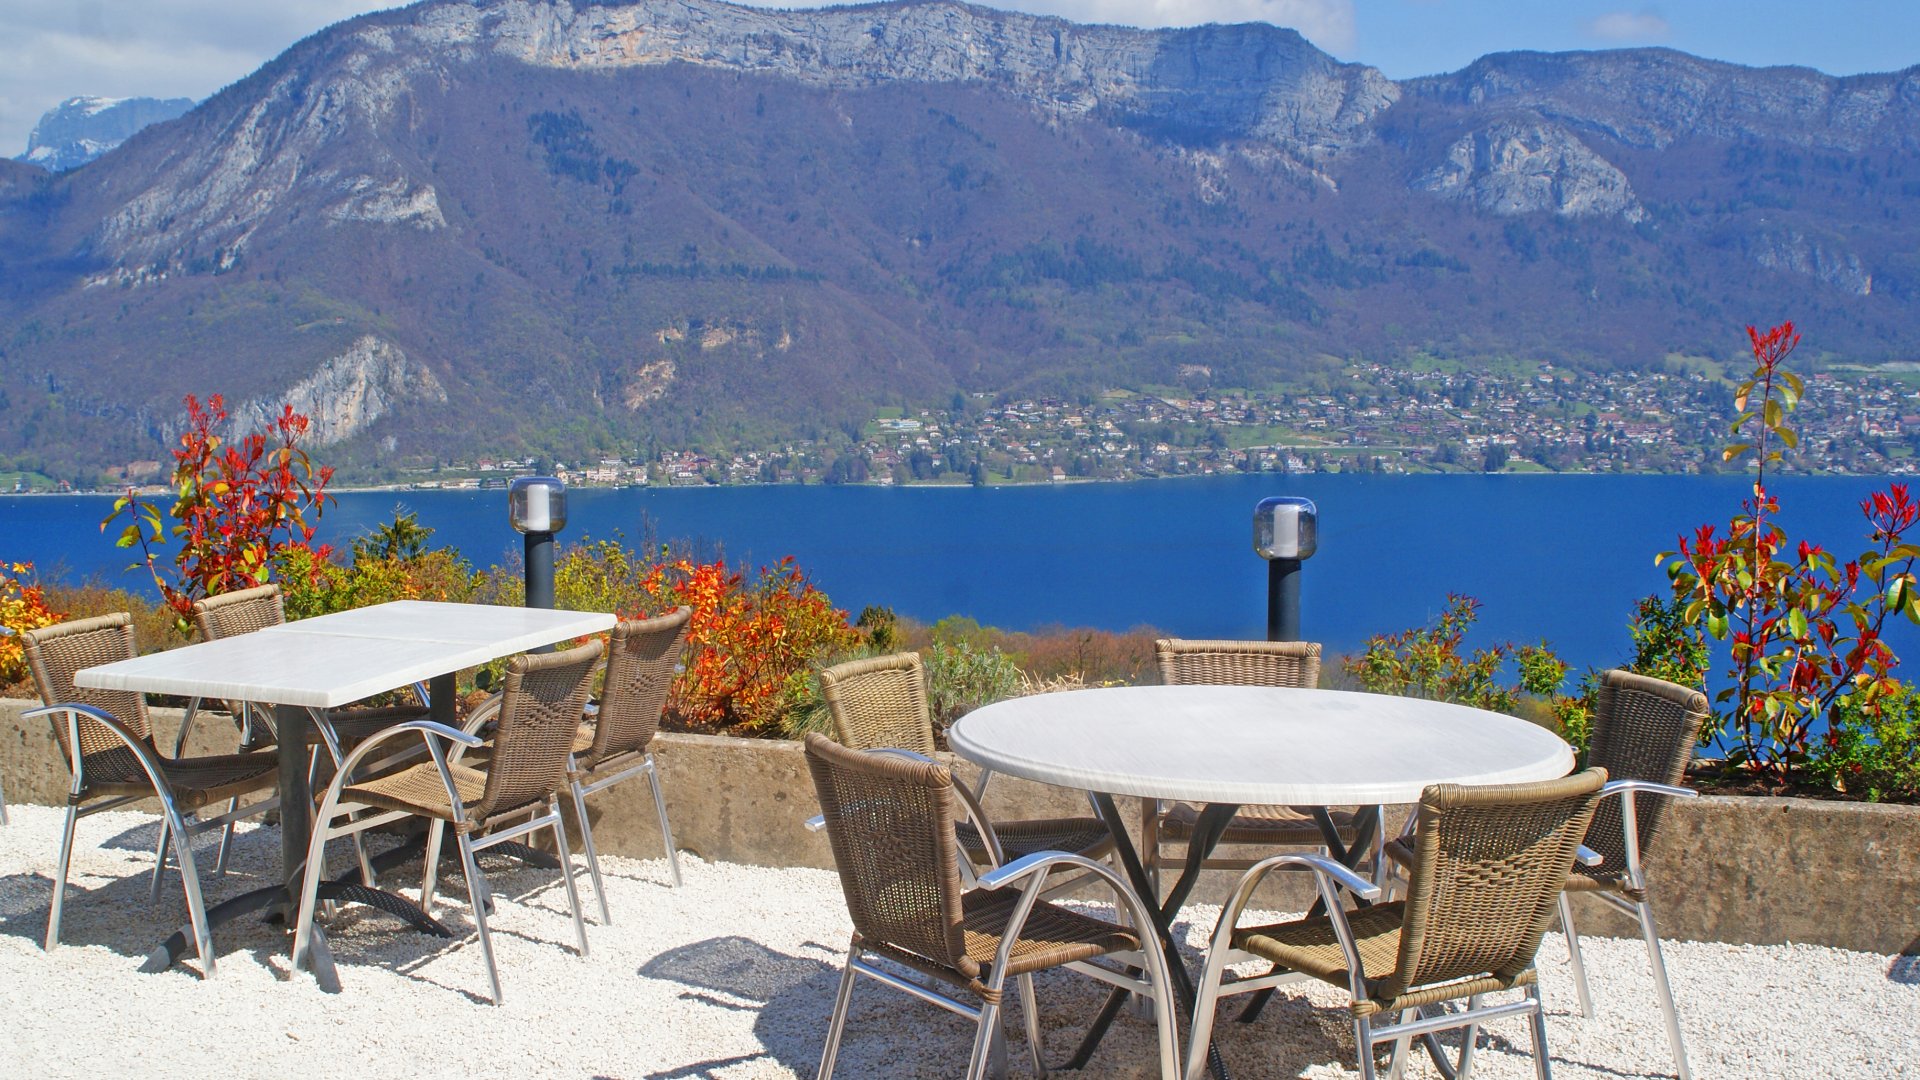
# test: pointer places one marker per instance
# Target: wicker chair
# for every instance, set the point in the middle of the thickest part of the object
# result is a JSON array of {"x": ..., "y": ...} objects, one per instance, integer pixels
[
  {"x": 882, "y": 702},
  {"x": 1234, "y": 663},
  {"x": 540, "y": 713},
  {"x": 338, "y": 730},
  {"x": 891, "y": 817},
  {"x": 640, "y": 666},
  {"x": 107, "y": 738},
  {"x": 1644, "y": 733},
  {"x": 1488, "y": 866}
]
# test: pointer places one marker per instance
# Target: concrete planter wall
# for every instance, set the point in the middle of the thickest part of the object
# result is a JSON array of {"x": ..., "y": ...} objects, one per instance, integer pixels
[{"x": 1748, "y": 870}]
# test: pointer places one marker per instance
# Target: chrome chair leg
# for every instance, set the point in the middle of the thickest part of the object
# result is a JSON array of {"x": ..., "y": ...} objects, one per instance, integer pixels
[
  {"x": 159, "y": 863},
  {"x": 1574, "y": 959},
  {"x": 566, "y": 874},
  {"x": 60, "y": 878},
  {"x": 190, "y": 880},
  {"x": 1402, "y": 1050},
  {"x": 1030, "y": 1013},
  {"x": 666, "y": 831},
  {"x": 593, "y": 856},
  {"x": 1661, "y": 984},
  {"x": 477, "y": 898},
  {"x": 842, "y": 1004},
  {"x": 1542, "y": 1065},
  {"x": 985, "y": 1038},
  {"x": 436, "y": 834},
  {"x": 226, "y": 840},
  {"x": 1463, "y": 1067},
  {"x": 3, "y": 804},
  {"x": 1363, "y": 1039}
]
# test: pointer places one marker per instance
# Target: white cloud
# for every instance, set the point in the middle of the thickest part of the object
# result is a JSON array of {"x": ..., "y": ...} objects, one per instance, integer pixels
[
  {"x": 1326, "y": 23},
  {"x": 1628, "y": 26}
]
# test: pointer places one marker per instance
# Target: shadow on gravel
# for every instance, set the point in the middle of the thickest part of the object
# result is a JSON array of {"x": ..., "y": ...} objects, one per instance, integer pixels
[
  {"x": 793, "y": 996},
  {"x": 1905, "y": 968}
]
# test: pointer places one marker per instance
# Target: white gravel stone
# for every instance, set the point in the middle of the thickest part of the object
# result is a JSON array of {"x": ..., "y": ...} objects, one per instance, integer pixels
[{"x": 733, "y": 976}]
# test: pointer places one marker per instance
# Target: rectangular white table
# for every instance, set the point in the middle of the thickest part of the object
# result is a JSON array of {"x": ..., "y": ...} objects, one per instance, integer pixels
[{"x": 326, "y": 662}]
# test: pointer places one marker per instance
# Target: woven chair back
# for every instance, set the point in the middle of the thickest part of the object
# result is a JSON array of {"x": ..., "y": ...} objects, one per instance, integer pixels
[
  {"x": 243, "y": 612},
  {"x": 1489, "y": 864},
  {"x": 540, "y": 712},
  {"x": 55, "y": 653},
  {"x": 640, "y": 668},
  {"x": 880, "y": 702},
  {"x": 890, "y": 820},
  {"x": 1643, "y": 729},
  {"x": 1238, "y": 663}
]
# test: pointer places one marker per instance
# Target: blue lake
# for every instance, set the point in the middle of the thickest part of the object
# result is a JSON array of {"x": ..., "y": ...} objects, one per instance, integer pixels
[{"x": 1560, "y": 558}]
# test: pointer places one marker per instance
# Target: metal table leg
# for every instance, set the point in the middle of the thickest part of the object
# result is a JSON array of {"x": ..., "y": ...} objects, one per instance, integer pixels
[
  {"x": 296, "y": 831},
  {"x": 1207, "y": 830}
]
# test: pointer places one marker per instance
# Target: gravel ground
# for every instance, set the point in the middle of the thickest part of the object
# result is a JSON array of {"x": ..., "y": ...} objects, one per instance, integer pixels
[{"x": 733, "y": 976}]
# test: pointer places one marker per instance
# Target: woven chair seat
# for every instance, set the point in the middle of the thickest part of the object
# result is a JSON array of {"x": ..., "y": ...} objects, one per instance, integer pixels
[
  {"x": 1052, "y": 935},
  {"x": 1083, "y": 836},
  {"x": 1310, "y": 947},
  {"x": 196, "y": 781},
  {"x": 1256, "y": 824},
  {"x": 417, "y": 789}
]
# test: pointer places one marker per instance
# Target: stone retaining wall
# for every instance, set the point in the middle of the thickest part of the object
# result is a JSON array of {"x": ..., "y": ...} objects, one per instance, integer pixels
[{"x": 1748, "y": 870}]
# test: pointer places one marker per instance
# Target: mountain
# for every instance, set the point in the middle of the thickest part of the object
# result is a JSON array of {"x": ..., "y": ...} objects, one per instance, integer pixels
[
  {"x": 535, "y": 226},
  {"x": 80, "y": 129}
]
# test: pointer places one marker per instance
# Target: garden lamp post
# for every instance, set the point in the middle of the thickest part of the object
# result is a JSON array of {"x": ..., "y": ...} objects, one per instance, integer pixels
[
  {"x": 537, "y": 506},
  {"x": 1284, "y": 529}
]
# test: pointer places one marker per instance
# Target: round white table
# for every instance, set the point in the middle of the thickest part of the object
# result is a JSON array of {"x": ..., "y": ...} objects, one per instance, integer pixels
[
  {"x": 1247, "y": 744},
  {"x": 1226, "y": 746}
]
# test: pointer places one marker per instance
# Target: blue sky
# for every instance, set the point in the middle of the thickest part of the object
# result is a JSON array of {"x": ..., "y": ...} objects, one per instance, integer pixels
[{"x": 54, "y": 49}]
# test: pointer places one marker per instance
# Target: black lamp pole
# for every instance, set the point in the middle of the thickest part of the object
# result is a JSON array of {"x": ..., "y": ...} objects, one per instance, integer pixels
[
  {"x": 1284, "y": 533},
  {"x": 537, "y": 507},
  {"x": 1283, "y": 599}
]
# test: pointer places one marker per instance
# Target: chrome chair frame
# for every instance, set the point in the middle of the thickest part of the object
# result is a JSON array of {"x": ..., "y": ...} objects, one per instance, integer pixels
[
  {"x": 1036, "y": 867},
  {"x": 651, "y": 770},
  {"x": 1329, "y": 877},
  {"x": 478, "y": 893},
  {"x": 1628, "y": 792},
  {"x": 182, "y": 828}
]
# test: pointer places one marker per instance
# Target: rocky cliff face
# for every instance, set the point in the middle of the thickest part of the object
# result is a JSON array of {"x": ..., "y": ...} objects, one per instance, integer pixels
[
  {"x": 1524, "y": 168},
  {"x": 348, "y": 393},
  {"x": 82, "y": 128}
]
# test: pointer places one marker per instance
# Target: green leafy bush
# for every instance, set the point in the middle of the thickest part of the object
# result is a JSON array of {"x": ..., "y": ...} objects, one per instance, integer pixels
[
  {"x": 1872, "y": 750},
  {"x": 962, "y": 677}
]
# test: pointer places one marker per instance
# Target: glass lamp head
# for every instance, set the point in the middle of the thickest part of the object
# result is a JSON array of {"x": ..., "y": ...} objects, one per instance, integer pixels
[
  {"x": 537, "y": 504},
  {"x": 1284, "y": 527}
]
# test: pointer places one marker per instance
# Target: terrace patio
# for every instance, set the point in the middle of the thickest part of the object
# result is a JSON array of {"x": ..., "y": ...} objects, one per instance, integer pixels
[{"x": 733, "y": 976}]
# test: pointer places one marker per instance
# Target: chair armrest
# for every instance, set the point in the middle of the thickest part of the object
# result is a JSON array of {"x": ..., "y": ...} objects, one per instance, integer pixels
[
  {"x": 141, "y": 752},
  {"x": 1617, "y": 787},
  {"x": 428, "y": 729},
  {"x": 1323, "y": 866}
]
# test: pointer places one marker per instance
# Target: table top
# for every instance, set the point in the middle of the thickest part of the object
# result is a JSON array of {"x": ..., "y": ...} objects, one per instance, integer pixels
[
  {"x": 332, "y": 660},
  {"x": 1239, "y": 744}
]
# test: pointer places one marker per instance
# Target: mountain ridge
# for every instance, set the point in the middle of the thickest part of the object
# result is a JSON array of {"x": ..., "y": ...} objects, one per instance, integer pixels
[{"x": 616, "y": 225}]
